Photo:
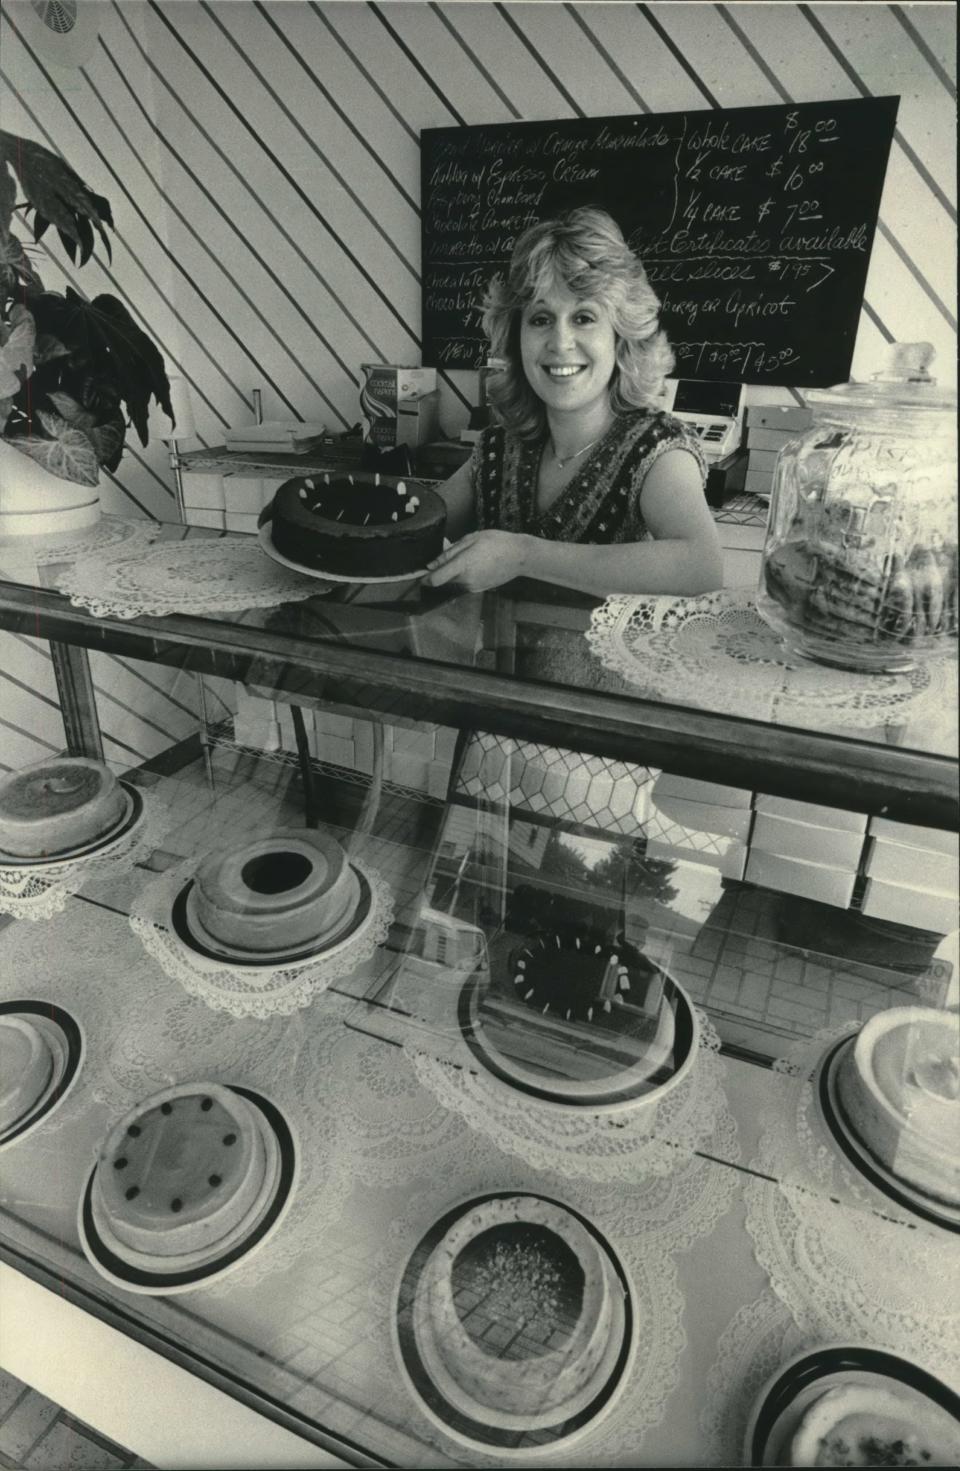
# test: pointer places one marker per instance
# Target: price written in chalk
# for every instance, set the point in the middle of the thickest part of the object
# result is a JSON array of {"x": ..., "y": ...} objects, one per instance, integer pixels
[{"x": 755, "y": 224}]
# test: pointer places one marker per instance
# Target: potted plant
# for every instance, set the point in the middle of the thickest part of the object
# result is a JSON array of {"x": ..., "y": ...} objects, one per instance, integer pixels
[{"x": 74, "y": 374}]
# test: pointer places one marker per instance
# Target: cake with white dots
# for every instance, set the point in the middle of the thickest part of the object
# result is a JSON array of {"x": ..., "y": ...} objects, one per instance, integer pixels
[
  {"x": 183, "y": 1176},
  {"x": 58, "y": 805},
  {"x": 289, "y": 890},
  {"x": 578, "y": 1014},
  {"x": 358, "y": 525},
  {"x": 519, "y": 1315}
]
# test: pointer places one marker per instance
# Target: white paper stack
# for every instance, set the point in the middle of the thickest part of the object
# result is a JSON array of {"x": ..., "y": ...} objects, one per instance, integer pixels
[{"x": 768, "y": 428}]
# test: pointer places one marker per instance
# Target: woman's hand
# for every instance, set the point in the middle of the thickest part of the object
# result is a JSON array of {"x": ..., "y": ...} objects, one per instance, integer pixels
[{"x": 480, "y": 560}]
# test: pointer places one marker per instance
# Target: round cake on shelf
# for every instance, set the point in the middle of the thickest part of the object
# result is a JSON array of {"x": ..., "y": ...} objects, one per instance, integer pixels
[
  {"x": 183, "y": 1176},
  {"x": 26, "y": 1068},
  {"x": 57, "y": 806},
  {"x": 532, "y": 1269},
  {"x": 581, "y": 1019},
  {"x": 287, "y": 891},
  {"x": 875, "y": 1425},
  {"x": 358, "y": 525},
  {"x": 898, "y": 1086}
]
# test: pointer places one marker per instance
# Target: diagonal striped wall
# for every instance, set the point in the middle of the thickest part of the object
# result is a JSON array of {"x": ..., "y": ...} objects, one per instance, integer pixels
[{"x": 261, "y": 158}]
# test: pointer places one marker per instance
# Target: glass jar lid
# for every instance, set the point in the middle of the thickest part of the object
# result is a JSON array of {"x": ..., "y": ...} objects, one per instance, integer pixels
[{"x": 904, "y": 388}]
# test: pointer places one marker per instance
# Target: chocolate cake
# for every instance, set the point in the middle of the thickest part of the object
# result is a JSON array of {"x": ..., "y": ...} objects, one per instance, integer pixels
[{"x": 359, "y": 525}]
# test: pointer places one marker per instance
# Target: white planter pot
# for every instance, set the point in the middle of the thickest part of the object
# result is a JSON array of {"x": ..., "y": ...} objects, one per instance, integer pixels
[{"x": 35, "y": 503}]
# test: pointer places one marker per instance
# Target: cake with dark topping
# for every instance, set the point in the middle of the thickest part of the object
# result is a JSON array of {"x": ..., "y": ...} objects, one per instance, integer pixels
[
  {"x": 358, "y": 525},
  {"x": 58, "y": 805},
  {"x": 580, "y": 1015}
]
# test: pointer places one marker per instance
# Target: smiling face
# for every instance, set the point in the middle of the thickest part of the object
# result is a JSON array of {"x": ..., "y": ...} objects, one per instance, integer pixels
[{"x": 568, "y": 351}]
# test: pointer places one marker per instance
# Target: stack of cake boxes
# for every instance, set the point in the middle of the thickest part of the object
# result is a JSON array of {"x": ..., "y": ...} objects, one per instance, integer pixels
[
  {"x": 805, "y": 849},
  {"x": 913, "y": 875},
  {"x": 768, "y": 428},
  {"x": 226, "y": 502}
]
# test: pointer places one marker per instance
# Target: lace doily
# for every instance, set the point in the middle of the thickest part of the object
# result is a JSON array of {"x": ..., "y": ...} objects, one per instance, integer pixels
[
  {"x": 624, "y": 1147},
  {"x": 40, "y": 891},
  {"x": 215, "y": 575},
  {"x": 252, "y": 990},
  {"x": 716, "y": 652},
  {"x": 109, "y": 531},
  {"x": 842, "y": 1256},
  {"x": 759, "y": 1338},
  {"x": 656, "y": 1297},
  {"x": 87, "y": 962}
]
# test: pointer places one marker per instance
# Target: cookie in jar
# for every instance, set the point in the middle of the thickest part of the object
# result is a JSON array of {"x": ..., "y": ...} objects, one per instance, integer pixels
[{"x": 860, "y": 561}]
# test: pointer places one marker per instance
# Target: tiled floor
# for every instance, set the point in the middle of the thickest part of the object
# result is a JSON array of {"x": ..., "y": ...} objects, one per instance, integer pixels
[{"x": 37, "y": 1435}]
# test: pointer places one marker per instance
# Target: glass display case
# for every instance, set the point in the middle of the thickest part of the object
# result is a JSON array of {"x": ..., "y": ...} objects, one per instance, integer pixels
[{"x": 548, "y": 1148}]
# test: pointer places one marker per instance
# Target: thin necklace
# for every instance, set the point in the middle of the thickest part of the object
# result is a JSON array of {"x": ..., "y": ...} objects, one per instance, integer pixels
[{"x": 562, "y": 464}]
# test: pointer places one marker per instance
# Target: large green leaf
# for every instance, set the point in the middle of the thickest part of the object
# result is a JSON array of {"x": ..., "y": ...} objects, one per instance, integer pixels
[
  {"x": 68, "y": 454},
  {"x": 57, "y": 195},
  {"x": 106, "y": 344}
]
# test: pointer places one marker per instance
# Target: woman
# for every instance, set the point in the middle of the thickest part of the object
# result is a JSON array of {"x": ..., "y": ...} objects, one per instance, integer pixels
[{"x": 585, "y": 481}]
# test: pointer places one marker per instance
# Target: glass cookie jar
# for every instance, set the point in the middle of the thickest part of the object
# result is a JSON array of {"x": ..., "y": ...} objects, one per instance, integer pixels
[{"x": 860, "y": 561}]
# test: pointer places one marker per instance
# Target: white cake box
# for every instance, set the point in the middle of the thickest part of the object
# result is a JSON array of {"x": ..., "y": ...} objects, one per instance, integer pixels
[
  {"x": 918, "y": 868},
  {"x": 934, "y": 839},
  {"x": 815, "y": 844},
  {"x": 241, "y": 521},
  {"x": 915, "y": 907},
  {"x": 248, "y": 493},
  {"x": 705, "y": 817},
  {"x": 797, "y": 876},
  {"x": 812, "y": 812},
  {"x": 213, "y": 520},
  {"x": 691, "y": 790}
]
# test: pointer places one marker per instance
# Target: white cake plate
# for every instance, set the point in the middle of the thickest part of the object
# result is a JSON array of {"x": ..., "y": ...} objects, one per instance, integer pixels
[{"x": 266, "y": 541}]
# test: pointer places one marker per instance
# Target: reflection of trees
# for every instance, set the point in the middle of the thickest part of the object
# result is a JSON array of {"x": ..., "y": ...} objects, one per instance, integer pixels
[{"x": 624, "y": 870}]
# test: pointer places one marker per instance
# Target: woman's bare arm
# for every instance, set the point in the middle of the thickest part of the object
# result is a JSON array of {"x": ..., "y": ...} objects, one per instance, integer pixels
[{"x": 684, "y": 558}]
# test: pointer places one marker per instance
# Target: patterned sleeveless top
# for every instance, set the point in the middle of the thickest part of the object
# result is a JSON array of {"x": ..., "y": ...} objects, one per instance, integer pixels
[{"x": 600, "y": 505}]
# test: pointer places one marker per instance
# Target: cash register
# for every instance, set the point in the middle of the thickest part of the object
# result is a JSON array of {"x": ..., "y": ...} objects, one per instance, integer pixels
[{"x": 714, "y": 411}]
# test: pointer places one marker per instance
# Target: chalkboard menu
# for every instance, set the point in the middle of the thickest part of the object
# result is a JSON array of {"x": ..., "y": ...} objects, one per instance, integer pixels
[{"x": 755, "y": 225}]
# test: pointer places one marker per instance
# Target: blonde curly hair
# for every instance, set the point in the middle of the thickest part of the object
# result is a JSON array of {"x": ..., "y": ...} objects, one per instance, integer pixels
[{"x": 584, "y": 251}]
